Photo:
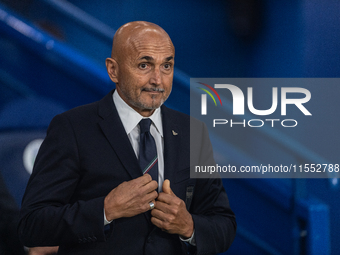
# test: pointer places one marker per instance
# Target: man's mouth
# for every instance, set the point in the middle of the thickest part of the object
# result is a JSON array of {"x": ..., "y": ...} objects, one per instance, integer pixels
[{"x": 155, "y": 90}]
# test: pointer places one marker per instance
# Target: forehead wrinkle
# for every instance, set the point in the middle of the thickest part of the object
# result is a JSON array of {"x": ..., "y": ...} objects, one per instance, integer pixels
[
  {"x": 152, "y": 59},
  {"x": 134, "y": 38},
  {"x": 150, "y": 44},
  {"x": 151, "y": 51}
]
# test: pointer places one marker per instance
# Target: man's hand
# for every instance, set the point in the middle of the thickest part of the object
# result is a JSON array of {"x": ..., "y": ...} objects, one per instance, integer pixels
[
  {"x": 43, "y": 250},
  {"x": 130, "y": 198},
  {"x": 170, "y": 214}
]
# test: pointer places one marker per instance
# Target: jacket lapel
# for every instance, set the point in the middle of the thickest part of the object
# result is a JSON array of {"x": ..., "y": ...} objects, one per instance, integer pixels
[
  {"x": 174, "y": 144},
  {"x": 114, "y": 132}
]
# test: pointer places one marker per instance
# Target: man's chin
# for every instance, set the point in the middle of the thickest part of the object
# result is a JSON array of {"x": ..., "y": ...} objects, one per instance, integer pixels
[
  {"x": 151, "y": 104},
  {"x": 155, "y": 106}
]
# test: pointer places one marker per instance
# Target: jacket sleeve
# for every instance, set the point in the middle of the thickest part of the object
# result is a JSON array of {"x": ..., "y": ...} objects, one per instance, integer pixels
[
  {"x": 49, "y": 216},
  {"x": 214, "y": 221}
]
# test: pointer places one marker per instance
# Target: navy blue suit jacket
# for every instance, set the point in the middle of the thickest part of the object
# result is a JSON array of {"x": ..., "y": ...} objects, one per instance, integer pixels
[{"x": 85, "y": 155}]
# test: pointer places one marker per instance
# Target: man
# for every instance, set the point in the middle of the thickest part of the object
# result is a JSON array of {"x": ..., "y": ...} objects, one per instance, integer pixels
[{"x": 88, "y": 194}]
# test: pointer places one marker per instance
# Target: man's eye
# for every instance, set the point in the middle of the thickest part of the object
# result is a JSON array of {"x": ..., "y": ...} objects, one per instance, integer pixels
[
  {"x": 167, "y": 66},
  {"x": 143, "y": 65}
]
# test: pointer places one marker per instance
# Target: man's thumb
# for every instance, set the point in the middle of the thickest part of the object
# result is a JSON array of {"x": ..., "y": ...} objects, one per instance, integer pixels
[{"x": 166, "y": 187}]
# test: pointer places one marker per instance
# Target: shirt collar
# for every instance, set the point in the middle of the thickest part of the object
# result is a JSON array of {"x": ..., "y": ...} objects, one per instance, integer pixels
[{"x": 130, "y": 118}]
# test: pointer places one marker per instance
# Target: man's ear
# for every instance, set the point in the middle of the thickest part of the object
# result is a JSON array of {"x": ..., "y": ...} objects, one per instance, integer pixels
[{"x": 112, "y": 69}]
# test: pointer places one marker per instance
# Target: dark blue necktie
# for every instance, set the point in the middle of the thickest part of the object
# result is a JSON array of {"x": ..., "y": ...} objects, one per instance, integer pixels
[{"x": 148, "y": 159}]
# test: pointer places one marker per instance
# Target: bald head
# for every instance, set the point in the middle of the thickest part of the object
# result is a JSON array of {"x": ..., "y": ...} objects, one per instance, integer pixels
[
  {"x": 142, "y": 65},
  {"x": 133, "y": 33}
]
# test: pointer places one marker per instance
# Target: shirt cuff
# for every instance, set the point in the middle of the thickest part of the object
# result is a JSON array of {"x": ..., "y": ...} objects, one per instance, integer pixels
[
  {"x": 190, "y": 240},
  {"x": 106, "y": 222}
]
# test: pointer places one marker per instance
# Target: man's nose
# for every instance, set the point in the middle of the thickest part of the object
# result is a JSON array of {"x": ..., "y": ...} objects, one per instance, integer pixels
[{"x": 156, "y": 77}]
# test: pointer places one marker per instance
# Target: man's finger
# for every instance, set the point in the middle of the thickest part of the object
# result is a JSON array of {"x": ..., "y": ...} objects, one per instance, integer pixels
[
  {"x": 166, "y": 187},
  {"x": 140, "y": 181},
  {"x": 158, "y": 214},
  {"x": 151, "y": 197},
  {"x": 149, "y": 187},
  {"x": 163, "y": 207},
  {"x": 165, "y": 198},
  {"x": 145, "y": 179},
  {"x": 147, "y": 205},
  {"x": 157, "y": 222}
]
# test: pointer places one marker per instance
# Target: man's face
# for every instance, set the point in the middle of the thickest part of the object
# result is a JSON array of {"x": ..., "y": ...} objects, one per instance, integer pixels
[{"x": 145, "y": 72}]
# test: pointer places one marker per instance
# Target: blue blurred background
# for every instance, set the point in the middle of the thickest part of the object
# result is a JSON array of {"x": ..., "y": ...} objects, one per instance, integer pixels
[{"x": 52, "y": 58}]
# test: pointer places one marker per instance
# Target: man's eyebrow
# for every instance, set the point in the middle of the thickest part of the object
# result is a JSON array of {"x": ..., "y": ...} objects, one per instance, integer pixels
[
  {"x": 147, "y": 58},
  {"x": 169, "y": 58}
]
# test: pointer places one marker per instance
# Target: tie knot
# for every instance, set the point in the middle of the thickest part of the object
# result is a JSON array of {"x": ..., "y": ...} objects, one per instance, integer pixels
[{"x": 144, "y": 125}]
